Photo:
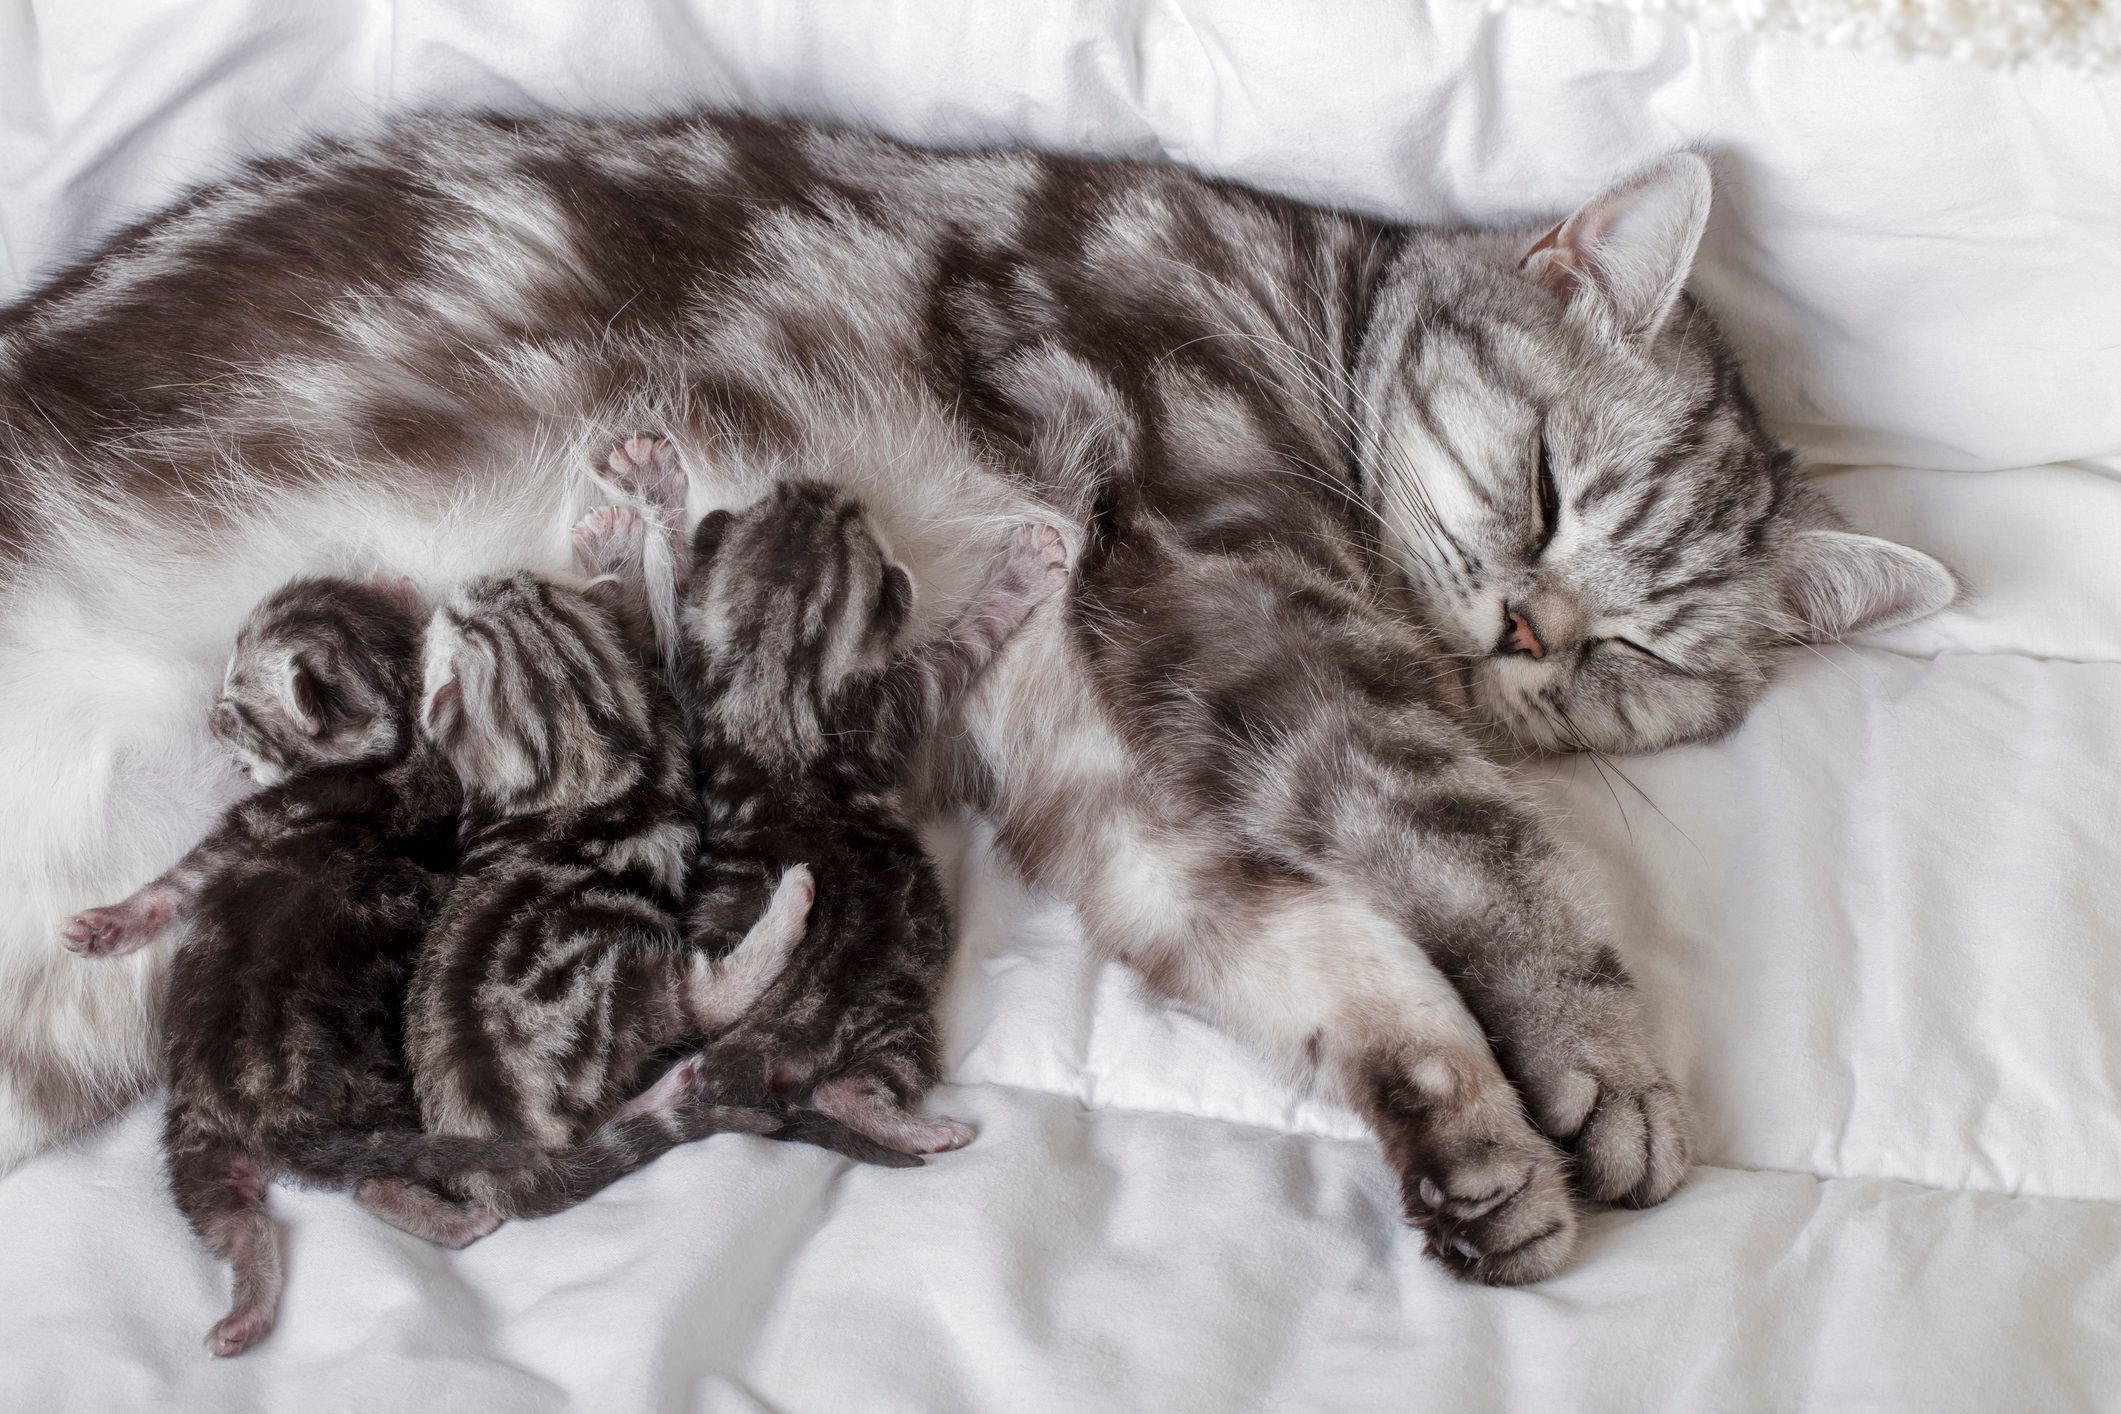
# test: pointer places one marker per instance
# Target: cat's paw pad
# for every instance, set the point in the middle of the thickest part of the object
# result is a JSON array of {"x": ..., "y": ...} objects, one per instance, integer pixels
[
  {"x": 608, "y": 539},
  {"x": 1504, "y": 1220},
  {"x": 1633, "y": 1147},
  {"x": 648, "y": 467},
  {"x": 107, "y": 932}
]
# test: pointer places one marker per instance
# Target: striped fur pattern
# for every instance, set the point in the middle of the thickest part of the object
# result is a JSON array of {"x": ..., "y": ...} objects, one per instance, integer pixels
[
  {"x": 807, "y": 706},
  {"x": 1347, "y": 502}
]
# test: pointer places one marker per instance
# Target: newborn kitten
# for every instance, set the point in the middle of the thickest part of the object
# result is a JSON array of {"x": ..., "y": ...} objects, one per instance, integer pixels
[
  {"x": 555, "y": 972},
  {"x": 306, "y": 905},
  {"x": 806, "y": 712}
]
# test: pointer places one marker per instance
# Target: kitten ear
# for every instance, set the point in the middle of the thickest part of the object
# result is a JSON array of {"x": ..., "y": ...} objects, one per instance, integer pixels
[
  {"x": 399, "y": 590},
  {"x": 441, "y": 692},
  {"x": 1837, "y": 583},
  {"x": 1633, "y": 246},
  {"x": 303, "y": 696}
]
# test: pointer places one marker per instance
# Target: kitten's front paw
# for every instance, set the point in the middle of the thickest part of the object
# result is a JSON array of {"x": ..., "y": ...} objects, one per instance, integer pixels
[
  {"x": 608, "y": 540},
  {"x": 114, "y": 931},
  {"x": 648, "y": 467}
]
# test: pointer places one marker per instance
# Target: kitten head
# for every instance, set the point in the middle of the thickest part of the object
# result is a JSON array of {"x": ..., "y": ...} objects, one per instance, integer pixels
[
  {"x": 794, "y": 608},
  {"x": 325, "y": 673},
  {"x": 1578, "y": 489},
  {"x": 530, "y": 694}
]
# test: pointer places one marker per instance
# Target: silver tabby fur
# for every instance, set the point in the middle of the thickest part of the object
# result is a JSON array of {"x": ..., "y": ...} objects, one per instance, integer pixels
[{"x": 1296, "y": 456}]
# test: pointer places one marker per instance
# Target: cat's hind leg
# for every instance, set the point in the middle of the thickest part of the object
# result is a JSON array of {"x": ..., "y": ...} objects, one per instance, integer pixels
[{"x": 221, "y": 1193}]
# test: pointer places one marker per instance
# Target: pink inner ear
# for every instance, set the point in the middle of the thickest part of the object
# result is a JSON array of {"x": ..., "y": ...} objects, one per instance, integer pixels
[
  {"x": 443, "y": 707},
  {"x": 1552, "y": 262}
]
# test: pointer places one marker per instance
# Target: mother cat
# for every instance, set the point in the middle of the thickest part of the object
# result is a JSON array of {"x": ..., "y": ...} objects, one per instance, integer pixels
[{"x": 1342, "y": 496}]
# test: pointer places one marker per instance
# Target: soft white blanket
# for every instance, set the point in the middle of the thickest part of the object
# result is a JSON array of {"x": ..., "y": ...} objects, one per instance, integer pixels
[{"x": 1878, "y": 925}]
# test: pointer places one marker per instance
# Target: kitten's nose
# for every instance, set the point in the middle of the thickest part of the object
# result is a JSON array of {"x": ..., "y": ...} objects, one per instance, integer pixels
[{"x": 1519, "y": 635}]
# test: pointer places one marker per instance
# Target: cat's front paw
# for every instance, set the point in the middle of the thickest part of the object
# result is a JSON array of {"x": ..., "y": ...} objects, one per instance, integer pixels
[
  {"x": 609, "y": 540},
  {"x": 1634, "y": 1146},
  {"x": 648, "y": 467},
  {"x": 1611, "y": 1105},
  {"x": 1488, "y": 1191},
  {"x": 119, "y": 929}
]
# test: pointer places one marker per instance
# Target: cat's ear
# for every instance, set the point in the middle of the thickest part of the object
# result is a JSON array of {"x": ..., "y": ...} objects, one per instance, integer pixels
[
  {"x": 302, "y": 695},
  {"x": 1631, "y": 247},
  {"x": 1837, "y": 583},
  {"x": 707, "y": 536}
]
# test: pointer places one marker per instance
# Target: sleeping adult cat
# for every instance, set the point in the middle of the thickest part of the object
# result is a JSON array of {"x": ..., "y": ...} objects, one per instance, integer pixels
[{"x": 1343, "y": 496}]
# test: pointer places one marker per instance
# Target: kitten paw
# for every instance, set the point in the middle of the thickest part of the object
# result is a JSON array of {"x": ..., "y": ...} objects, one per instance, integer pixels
[
  {"x": 937, "y": 1135},
  {"x": 114, "y": 931},
  {"x": 648, "y": 467},
  {"x": 608, "y": 540},
  {"x": 238, "y": 1331},
  {"x": 683, "y": 1084},
  {"x": 1039, "y": 558}
]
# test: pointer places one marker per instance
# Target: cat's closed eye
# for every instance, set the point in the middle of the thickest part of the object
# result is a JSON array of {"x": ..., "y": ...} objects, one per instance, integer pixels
[{"x": 1549, "y": 500}]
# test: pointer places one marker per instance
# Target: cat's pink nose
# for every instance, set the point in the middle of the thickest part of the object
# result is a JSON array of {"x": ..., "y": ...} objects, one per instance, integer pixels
[{"x": 1521, "y": 637}]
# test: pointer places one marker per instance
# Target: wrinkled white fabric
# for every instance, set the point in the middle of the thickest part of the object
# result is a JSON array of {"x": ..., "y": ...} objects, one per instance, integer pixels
[{"x": 1878, "y": 925}]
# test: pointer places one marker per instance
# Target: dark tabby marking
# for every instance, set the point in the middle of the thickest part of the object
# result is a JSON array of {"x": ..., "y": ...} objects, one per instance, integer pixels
[{"x": 806, "y": 708}]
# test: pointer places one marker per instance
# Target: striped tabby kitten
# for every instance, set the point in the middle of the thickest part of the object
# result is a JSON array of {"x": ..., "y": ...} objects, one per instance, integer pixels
[
  {"x": 806, "y": 706},
  {"x": 554, "y": 974},
  {"x": 1352, "y": 499}
]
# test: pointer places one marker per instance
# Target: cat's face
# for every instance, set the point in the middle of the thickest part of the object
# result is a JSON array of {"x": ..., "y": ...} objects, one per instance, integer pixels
[
  {"x": 530, "y": 694},
  {"x": 324, "y": 673},
  {"x": 1580, "y": 493},
  {"x": 794, "y": 604}
]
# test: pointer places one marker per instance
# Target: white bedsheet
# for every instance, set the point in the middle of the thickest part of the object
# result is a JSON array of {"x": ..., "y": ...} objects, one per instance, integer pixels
[{"x": 1878, "y": 925}]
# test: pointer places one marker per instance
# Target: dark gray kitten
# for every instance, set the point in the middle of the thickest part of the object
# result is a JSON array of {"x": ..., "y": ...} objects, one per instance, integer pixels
[
  {"x": 1351, "y": 498},
  {"x": 555, "y": 973},
  {"x": 806, "y": 705}
]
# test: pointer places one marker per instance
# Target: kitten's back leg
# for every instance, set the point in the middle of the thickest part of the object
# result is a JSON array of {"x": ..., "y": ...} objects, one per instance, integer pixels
[
  {"x": 718, "y": 990},
  {"x": 221, "y": 1192},
  {"x": 871, "y": 1106}
]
